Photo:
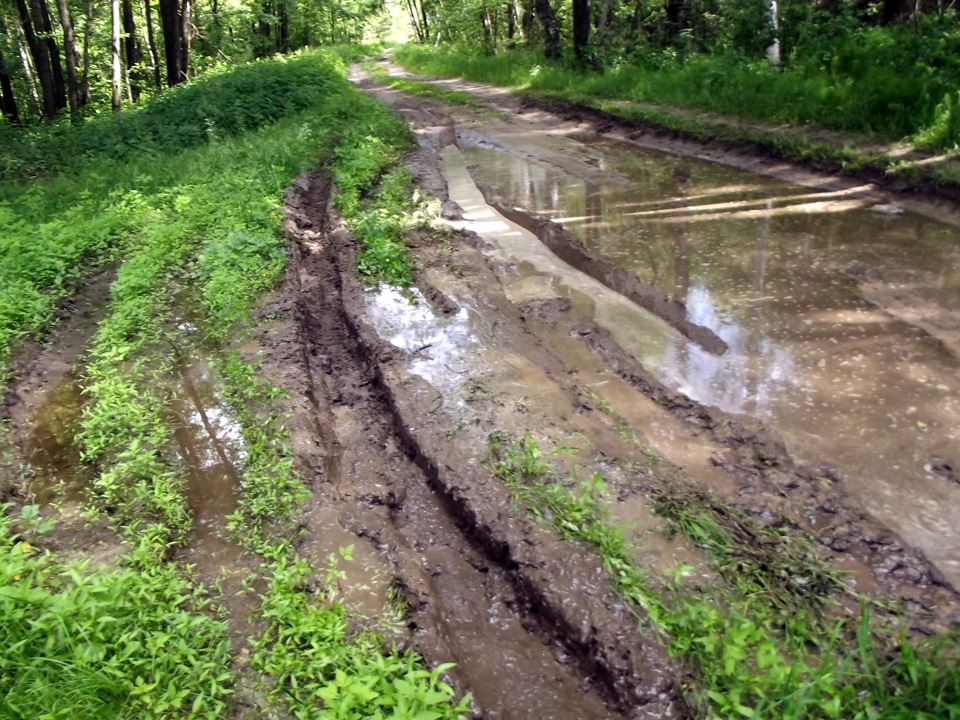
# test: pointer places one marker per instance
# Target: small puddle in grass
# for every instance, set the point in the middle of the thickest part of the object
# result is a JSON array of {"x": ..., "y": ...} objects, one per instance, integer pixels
[
  {"x": 778, "y": 272},
  {"x": 51, "y": 450},
  {"x": 211, "y": 448}
]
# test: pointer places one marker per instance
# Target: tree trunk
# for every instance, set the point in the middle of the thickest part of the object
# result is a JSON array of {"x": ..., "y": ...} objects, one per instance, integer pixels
[
  {"x": 414, "y": 22},
  {"x": 85, "y": 80},
  {"x": 528, "y": 20},
  {"x": 8, "y": 103},
  {"x": 171, "y": 28},
  {"x": 131, "y": 48},
  {"x": 581, "y": 28},
  {"x": 59, "y": 86},
  {"x": 604, "y": 17},
  {"x": 41, "y": 60},
  {"x": 28, "y": 68},
  {"x": 773, "y": 49},
  {"x": 116, "y": 97},
  {"x": 70, "y": 49},
  {"x": 551, "y": 34},
  {"x": 185, "y": 36},
  {"x": 152, "y": 43}
]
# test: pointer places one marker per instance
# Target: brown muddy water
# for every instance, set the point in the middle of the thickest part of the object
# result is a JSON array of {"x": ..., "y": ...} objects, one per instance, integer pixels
[
  {"x": 53, "y": 455},
  {"x": 775, "y": 271}
]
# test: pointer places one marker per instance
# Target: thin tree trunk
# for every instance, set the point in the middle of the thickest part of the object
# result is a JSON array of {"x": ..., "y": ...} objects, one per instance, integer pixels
[
  {"x": 152, "y": 43},
  {"x": 41, "y": 60},
  {"x": 417, "y": 32},
  {"x": 8, "y": 102},
  {"x": 604, "y": 17},
  {"x": 185, "y": 37},
  {"x": 59, "y": 86},
  {"x": 551, "y": 34},
  {"x": 28, "y": 69},
  {"x": 70, "y": 50},
  {"x": 116, "y": 97},
  {"x": 85, "y": 81}
]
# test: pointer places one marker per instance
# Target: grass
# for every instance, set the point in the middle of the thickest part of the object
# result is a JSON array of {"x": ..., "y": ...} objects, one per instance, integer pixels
[
  {"x": 422, "y": 89},
  {"x": 760, "y": 645},
  {"x": 194, "y": 228},
  {"x": 650, "y": 96}
]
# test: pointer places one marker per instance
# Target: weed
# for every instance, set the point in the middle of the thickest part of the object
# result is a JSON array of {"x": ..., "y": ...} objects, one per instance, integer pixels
[
  {"x": 753, "y": 656},
  {"x": 83, "y": 641}
]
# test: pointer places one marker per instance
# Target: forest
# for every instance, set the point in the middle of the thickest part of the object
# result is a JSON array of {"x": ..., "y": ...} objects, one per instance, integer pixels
[{"x": 340, "y": 383}]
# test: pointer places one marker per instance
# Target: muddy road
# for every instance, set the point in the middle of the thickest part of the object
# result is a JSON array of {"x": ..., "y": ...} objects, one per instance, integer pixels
[
  {"x": 687, "y": 331},
  {"x": 821, "y": 308}
]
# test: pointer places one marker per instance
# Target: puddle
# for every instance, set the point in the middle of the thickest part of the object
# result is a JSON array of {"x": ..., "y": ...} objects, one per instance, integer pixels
[
  {"x": 645, "y": 533},
  {"x": 511, "y": 671},
  {"x": 211, "y": 449},
  {"x": 363, "y": 577},
  {"x": 773, "y": 270},
  {"x": 51, "y": 451},
  {"x": 444, "y": 349}
]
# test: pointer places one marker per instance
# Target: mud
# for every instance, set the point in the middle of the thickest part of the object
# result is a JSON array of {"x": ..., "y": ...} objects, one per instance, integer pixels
[
  {"x": 39, "y": 459},
  {"x": 737, "y": 458},
  {"x": 515, "y": 325},
  {"x": 531, "y": 624}
]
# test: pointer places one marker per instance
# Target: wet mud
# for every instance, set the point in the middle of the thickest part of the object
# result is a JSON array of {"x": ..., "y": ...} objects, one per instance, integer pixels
[
  {"x": 738, "y": 458},
  {"x": 522, "y": 320},
  {"x": 532, "y": 625}
]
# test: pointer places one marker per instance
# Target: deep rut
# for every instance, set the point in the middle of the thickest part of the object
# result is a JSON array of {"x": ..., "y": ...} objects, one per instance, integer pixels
[{"x": 467, "y": 602}]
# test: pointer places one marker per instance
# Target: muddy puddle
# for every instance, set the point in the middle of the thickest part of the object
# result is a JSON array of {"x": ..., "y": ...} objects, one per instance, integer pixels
[
  {"x": 778, "y": 272},
  {"x": 211, "y": 449},
  {"x": 51, "y": 450}
]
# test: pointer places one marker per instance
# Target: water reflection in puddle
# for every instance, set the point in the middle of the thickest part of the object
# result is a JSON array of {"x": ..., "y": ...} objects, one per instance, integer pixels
[
  {"x": 52, "y": 451},
  {"x": 772, "y": 269},
  {"x": 444, "y": 348}
]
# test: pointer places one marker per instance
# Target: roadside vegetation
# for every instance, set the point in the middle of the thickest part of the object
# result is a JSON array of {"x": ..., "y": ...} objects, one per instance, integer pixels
[
  {"x": 192, "y": 222},
  {"x": 763, "y": 643},
  {"x": 416, "y": 87},
  {"x": 874, "y": 75}
]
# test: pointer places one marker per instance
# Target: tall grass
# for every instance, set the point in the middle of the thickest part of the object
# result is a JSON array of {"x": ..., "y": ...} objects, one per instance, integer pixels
[{"x": 868, "y": 88}]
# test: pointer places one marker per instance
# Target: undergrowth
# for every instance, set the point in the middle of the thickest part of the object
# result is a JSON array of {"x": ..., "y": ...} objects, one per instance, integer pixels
[
  {"x": 760, "y": 646},
  {"x": 141, "y": 638},
  {"x": 868, "y": 96},
  {"x": 652, "y": 96}
]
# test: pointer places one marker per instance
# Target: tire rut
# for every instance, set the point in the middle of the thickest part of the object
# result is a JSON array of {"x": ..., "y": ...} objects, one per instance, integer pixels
[{"x": 470, "y": 600}]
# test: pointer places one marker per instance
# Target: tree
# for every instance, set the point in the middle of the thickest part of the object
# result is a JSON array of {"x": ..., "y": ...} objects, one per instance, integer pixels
[
  {"x": 70, "y": 50},
  {"x": 41, "y": 60},
  {"x": 581, "y": 28},
  {"x": 8, "y": 103},
  {"x": 116, "y": 96},
  {"x": 551, "y": 34},
  {"x": 171, "y": 26}
]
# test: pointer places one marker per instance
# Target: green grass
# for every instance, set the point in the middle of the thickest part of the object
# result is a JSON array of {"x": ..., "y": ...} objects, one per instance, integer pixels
[
  {"x": 136, "y": 641},
  {"x": 760, "y": 644},
  {"x": 423, "y": 89},
  {"x": 873, "y": 100},
  {"x": 198, "y": 228},
  {"x": 649, "y": 97}
]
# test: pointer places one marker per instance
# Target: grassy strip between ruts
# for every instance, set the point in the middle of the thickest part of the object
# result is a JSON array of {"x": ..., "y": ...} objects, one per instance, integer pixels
[
  {"x": 416, "y": 87},
  {"x": 756, "y": 651},
  {"x": 633, "y": 94},
  {"x": 205, "y": 224}
]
